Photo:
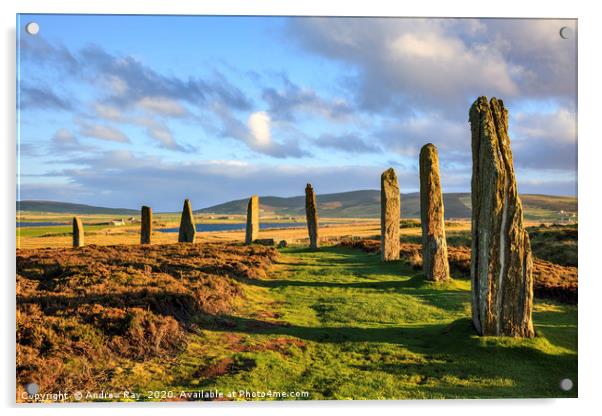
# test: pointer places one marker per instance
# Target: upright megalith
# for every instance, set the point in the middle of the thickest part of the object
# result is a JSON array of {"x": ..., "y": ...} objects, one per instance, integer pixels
[
  {"x": 501, "y": 261},
  {"x": 78, "y": 232},
  {"x": 187, "y": 227},
  {"x": 311, "y": 213},
  {"x": 434, "y": 246},
  {"x": 389, "y": 215},
  {"x": 252, "y": 220},
  {"x": 146, "y": 225}
]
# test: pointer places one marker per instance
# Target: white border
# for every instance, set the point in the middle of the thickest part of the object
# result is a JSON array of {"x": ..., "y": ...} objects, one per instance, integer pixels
[{"x": 589, "y": 186}]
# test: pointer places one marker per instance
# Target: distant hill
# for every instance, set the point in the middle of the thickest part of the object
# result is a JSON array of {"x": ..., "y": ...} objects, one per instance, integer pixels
[
  {"x": 355, "y": 204},
  {"x": 366, "y": 204},
  {"x": 68, "y": 208}
]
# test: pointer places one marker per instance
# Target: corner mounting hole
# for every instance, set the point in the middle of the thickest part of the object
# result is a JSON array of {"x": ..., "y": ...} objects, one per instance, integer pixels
[
  {"x": 32, "y": 388},
  {"x": 565, "y": 32},
  {"x": 566, "y": 384},
  {"x": 32, "y": 28}
]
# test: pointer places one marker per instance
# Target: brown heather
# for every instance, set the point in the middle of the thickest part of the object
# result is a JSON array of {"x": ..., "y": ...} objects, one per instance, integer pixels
[
  {"x": 551, "y": 280},
  {"x": 83, "y": 314}
]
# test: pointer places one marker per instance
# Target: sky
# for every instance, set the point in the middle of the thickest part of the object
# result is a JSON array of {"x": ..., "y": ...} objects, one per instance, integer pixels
[{"x": 124, "y": 111}]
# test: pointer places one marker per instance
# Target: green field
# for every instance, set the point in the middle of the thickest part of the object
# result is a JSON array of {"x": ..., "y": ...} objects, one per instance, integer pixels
[
  {"x": 55, "y": 230},
  {"x": 339, "y": 324}
]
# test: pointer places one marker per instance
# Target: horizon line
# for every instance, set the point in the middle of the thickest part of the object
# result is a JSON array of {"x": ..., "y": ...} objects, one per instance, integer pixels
[{"x": 267, "y": 196}]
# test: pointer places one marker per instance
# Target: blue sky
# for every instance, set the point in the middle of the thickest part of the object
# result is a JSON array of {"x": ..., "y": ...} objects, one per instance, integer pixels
[{"x": 123, "y": 111}]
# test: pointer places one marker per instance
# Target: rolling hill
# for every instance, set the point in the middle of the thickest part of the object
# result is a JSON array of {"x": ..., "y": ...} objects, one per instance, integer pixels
[
  {"x": 355, "y": 204},
  {"x": 66, "y": 207},
  {"x": 366, "y": 204}
]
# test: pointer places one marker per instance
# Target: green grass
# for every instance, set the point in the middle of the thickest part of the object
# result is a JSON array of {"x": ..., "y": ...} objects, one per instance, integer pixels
[
  {"x": 541, "y": 214},
  {"x": 347, "y": 326},
  {"x": 54, "y": 230}
]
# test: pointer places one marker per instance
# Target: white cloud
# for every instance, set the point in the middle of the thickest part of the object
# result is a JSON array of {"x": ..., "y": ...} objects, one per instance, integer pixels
[
  {"x": 406, "y": 65},
  {"x": 163, "y": 106},
  {"x": 64, "y": 141},
  {"x": 545, "y": 140},
  {"x": 116, "y": 84},
  {"x": 158, "y": 131},
  {"x": 259, "y": 125},
  {"x": 256, "y": 134},
  {"x": 163, "y": 135},
  {"x": 103, "y": 132},
  {"x": 65, "y": 137},
  {"x": 406, "y": 136},
  {"x": 292, "y": 101},
  {"x": 127, "y": 175},
  {"x": 438, "y": 62},
  {"x": 108, "y": 112},
  {"x": 559, "y": 126},
  {"x": 155, "y": 128}
]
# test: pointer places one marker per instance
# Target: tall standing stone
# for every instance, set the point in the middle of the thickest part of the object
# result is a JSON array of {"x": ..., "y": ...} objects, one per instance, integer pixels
[
  {"x": 78, "y": 232},
  {"x": 501, "y": 260},
  {"x": 187, "y": 227},
  {"x": 434, "y": 245},
  {"x": 311, "y": 213},
  {"x": 146, "y": 225},
  {"x": 252, "y": 220},
  {"x": 389, "y": 215}
]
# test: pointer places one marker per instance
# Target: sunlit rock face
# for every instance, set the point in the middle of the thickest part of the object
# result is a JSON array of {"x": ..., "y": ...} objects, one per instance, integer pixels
[
  {"x": 434, "y": 246},
  {"x": 78, "y": 232},
  {"x": 501, "y": 260},
  {"x": 389, "y": 215}
]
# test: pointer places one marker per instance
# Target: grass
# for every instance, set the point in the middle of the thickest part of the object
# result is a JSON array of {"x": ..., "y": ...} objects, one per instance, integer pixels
[
  {"x": 55, "y": 230},
  {"x": 339, "y": 324},
  {"x": 330, "y": 324}
]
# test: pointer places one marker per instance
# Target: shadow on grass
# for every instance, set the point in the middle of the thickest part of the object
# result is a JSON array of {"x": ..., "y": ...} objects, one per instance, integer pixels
[
  {"x": 452, "y": 361},
  {"x": 419, "y": 335},
  {"x": 414, "y": 282},
  {"x": 363, "y": 271},
  {"x": 558, "y": 328},
  {"x": 347, "y": 262}
]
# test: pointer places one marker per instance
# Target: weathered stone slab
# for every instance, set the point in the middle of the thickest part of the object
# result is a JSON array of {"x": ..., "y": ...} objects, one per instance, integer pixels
[
  {"x": 187, "y": 226},
  {"x": 252, "y": 220},
  {"x": 146, "y": 225},
  {"x": 501, "y": 260},
  {"x": 311, "y": 213},
  {"x": 78, "y": 232},
  {"x": 389, "y": 215},
  {"x": 434, "y": 245}
]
